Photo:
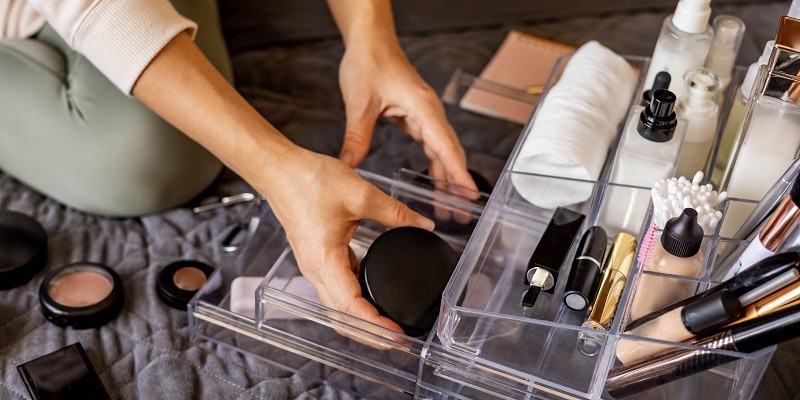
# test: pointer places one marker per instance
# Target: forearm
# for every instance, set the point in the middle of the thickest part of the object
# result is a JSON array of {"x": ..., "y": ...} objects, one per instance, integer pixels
[
  {"x": 362, "y": 21},
  {"x": 182, "y": 87}
]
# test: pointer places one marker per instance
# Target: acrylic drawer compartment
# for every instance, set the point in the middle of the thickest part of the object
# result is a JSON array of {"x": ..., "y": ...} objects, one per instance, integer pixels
[
  {"x": 481, "y": 311},
  {"x": 340, "y": 340}
]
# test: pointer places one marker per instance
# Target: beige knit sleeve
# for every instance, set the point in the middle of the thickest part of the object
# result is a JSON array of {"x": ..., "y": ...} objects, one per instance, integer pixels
[{"x": 120, "y": 37}]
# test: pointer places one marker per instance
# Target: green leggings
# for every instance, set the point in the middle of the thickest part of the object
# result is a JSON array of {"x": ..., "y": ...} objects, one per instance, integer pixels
[{"x": 68, "y": 132}]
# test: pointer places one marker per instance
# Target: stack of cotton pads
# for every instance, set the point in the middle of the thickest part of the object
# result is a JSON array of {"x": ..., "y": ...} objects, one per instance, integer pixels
[{"x": 574, "y": 127}]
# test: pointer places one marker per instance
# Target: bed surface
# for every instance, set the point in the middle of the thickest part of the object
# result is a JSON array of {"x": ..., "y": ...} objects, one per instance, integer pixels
[{"x": 145, "y": 352}]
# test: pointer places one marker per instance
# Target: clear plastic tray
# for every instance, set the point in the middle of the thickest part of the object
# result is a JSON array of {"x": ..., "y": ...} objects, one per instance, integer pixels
[{"x": 483, "y": 346}]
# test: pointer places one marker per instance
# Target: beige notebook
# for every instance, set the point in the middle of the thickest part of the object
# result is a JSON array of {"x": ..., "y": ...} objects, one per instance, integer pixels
[{"x": 522, "y": 62}]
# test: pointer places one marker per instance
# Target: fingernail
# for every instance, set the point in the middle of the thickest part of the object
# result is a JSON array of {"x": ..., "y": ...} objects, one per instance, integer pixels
[{"x": 347, "y": 157}]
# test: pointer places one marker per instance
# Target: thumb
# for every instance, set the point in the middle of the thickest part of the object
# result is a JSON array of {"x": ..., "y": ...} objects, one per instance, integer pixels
[
  {"x": 358, "y": 134},
  {"x": 391, "y": 213}
]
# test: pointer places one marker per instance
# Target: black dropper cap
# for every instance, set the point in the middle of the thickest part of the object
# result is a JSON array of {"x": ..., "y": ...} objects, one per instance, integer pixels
[
  {"x": 682, "y": 235},
  {"x": 661, "y": 81},
  {"x": 711, "y": 310},
  {"x": 657, "y": 122}
]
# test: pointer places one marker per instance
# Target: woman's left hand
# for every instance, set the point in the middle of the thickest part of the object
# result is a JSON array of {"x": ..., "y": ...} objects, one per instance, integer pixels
[{"x": 377, "y": 80}]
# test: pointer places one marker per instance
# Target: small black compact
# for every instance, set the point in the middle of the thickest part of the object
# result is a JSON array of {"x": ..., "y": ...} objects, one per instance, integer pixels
[
  {"x": 23, "y": 249},
  {"x": 404, "y": 274},
  {"x": 82, "y": 295},
  {"x": 64, "y": 374},
  {"x": 178, "y": 282}
]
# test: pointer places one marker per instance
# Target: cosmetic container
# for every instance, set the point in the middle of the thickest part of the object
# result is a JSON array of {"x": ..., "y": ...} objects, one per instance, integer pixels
[
  {"x": 683, "y": 42},
  {"x": 728, "y": 34},
  {"x": 403, "y": 275},
  {"x": 648, "y": 151},
  {"x": 615, "y": 275},
  {"x": 23, "y": 249},
  {"x": 738, "y": 107},
  {"x": 586, "y": 269},
  {"x": 697, "y": 106},
  {"x": 550, "y": 253},
  {"x": 64, "y": 374},
  {"x": 483, "y": 344},
  {"x": 179, "y": 281},
  {"x": 676, "y": 253},
  {"x": 768, "y": 141},
  {"x": 672, "y": 365},
  {"x": 682, "y": 323},
  {"x": 82, "y": 295}
]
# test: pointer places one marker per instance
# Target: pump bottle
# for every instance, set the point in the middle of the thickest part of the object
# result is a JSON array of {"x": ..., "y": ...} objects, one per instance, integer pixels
[
  {"x": 683, "y": 42},
  {"x": 698, "y": 107}
]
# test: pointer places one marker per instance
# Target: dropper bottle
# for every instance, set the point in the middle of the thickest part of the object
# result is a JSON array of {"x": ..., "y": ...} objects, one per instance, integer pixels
[
  {"x": 676, "y": 253},
  {"x": 683, "y": 42},
  {"x": 648, "y": 152},
  {"x": 698, "y": 107}
]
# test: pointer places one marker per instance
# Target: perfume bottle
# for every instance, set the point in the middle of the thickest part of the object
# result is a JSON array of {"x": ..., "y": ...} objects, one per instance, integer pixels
[
  {"x": 698, "y": 107},
  {"x": 683, "y": 42}
]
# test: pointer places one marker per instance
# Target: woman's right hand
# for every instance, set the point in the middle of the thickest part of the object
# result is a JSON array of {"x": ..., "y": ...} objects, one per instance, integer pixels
[{"x": 320, "y": 201}]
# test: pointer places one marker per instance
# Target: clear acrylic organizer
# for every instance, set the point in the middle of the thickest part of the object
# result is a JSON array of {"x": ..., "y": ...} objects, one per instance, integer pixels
[{"x": 484, "y": 344}]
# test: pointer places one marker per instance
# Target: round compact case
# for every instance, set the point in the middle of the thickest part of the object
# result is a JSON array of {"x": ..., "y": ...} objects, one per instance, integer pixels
[
  {"x": 82, "y": 295},
  {"x": 23, "y": 249},
  {"x": 404, "y": 274},
  {"x": 178, "y": 282}
]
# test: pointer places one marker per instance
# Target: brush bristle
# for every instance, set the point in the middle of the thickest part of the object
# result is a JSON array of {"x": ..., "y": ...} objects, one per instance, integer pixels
[{"x": 648, "y": 241}]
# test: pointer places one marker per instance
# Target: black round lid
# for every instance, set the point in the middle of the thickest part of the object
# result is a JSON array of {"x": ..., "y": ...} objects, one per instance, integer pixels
[
  {"x": 657, "y": 122},
  {"x": 404, "y": 274},
  {"x": 711, "y": 310},
  {"x": 682, "y": 235},
  {"x": 23, "y": 249},
  {"x": 63, "y": 313},
  {"x": 178, "y": 282}
]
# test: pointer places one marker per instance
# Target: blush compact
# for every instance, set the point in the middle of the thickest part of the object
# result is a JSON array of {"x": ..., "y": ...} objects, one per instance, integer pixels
[
  {"x": 82, "y": 295},
  {"x": 23, "y": 249},
  {"x": 178, "y": 282},
  {"x": 404, "y": 274}
]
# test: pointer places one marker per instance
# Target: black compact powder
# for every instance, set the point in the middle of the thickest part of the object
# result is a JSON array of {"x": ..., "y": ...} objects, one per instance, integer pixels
[
  {"x": 82, "y": 295},
  {"x": 178, "y": 282},
  {"x": 63, "y": 374},
  {"x": 404, "y": 274},
  {"x": 23, "y": 249}
]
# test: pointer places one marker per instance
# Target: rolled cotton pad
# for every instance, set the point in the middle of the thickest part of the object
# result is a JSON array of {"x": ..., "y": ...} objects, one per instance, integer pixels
[{"x": 574, "y": 127}]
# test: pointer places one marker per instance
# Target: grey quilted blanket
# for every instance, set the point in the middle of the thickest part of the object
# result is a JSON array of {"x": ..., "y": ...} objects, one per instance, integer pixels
[{"x": 145, "y": 352}]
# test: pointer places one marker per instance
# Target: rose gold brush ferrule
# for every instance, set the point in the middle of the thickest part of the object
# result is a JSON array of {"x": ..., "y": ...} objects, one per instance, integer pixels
[
  {"x": 779, "y": 300},
  {"x": 781, "y": 222}
]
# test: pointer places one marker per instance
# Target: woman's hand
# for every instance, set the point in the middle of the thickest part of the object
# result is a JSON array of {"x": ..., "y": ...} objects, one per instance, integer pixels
[
  {"x": 320, "y": 201},
  {"x": 377, "y": 80}
]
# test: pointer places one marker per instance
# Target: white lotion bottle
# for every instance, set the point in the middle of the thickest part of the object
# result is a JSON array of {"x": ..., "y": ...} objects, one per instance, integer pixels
[
  {"x": 683, "y": 42},
  {"x": 648, "y": 152},
  {"x": 738, "y": 107},
  {"x": 697, "y": 105}
]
